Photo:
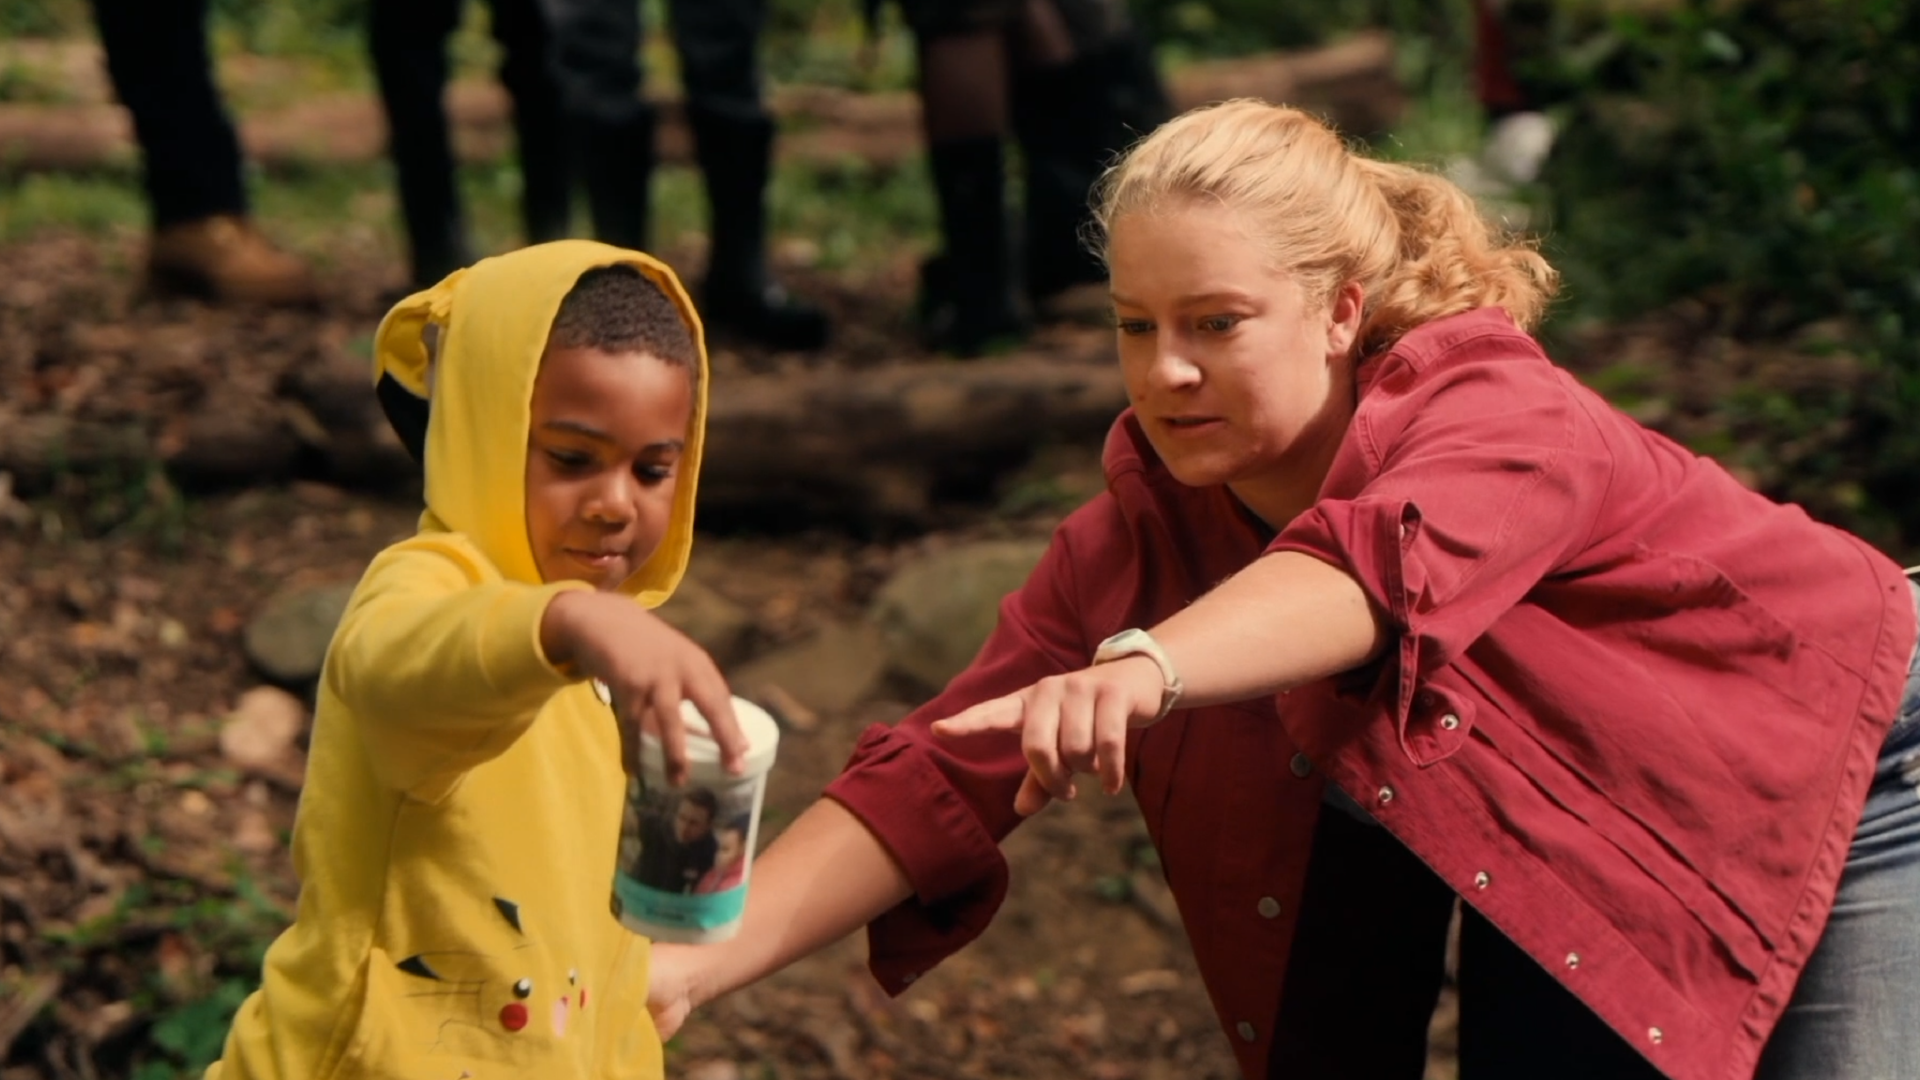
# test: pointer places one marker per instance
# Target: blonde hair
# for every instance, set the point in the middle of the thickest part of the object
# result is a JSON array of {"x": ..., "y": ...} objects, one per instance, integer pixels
[{"x": 1413, "y": 240}]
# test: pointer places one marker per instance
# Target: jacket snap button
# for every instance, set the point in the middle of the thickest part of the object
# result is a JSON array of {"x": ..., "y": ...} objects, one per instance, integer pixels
[
  {"x": 1482, "y": 879},
  {"x": 1386, "y": 795},
  {"x": 1449, "y": 722},
  {"x": 1301, "y": 765},
  {"x": 1655, "y": 1034},
  {"x": 1573, "y": 960},
  {"x": 1268, "y": 907},
  {"x": 1246, "y": 1030}
]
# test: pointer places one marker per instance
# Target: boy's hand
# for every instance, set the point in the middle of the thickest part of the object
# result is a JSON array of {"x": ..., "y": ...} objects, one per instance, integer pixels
[{"x": 648, "y": 667}]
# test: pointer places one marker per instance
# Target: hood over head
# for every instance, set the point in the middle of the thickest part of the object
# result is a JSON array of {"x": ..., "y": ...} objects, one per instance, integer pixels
[{"x": 470, "y": 348}]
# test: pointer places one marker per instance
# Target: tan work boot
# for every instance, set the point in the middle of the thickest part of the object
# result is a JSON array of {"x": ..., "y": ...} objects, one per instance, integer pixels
[{"x": 225, "y": 259}]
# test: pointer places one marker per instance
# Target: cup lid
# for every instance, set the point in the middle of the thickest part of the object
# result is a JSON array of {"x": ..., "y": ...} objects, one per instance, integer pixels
[{"x": 762, "y": 732}]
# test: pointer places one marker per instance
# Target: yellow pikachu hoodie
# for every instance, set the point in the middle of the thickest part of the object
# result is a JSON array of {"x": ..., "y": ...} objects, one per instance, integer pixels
[{"x": 457, "y": 832}]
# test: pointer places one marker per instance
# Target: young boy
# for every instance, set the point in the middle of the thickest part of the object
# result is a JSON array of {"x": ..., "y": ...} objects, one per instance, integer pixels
[{"x": 457, "y": 832}]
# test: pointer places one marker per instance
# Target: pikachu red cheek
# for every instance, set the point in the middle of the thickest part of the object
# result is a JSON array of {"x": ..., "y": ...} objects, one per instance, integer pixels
[{"x": 513, "y": 1016}]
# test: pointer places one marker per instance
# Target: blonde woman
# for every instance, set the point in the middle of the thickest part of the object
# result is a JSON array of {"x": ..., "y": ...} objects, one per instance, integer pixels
[{"x": 1381, "y": 610}]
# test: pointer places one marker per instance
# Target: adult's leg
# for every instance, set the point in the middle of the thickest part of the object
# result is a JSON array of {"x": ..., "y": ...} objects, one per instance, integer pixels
[
  {"x": 718, "y": 42},
  {"x": 539, "y": 126},
  {"x": 965, "y": 67},
  {"x": 202, "y": 242},
  {"x": 408, "y": 42},
  {"x": 1518, "y": 1023},
  {"x": 1369, "y": 956},
  {"x": 157, "y": 58},
  {"x": 1852, "y": 1014},
  {"x": 594, "y": 57},
  {"x": 1083, "y": 89}
]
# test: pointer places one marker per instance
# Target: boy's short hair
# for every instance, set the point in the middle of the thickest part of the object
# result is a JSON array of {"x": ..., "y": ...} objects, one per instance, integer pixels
[
  {"x": 619, "y": 309},
  {"x": 614, "y": 308}
]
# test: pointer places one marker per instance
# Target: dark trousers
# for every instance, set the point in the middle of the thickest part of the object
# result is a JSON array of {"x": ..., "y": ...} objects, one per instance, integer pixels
[
  {"x": 1367, "y": 967},
  {"x": 597, "y": 46},
  {"x": 162, "y": 71},
  {"x": 408, "y": 43}
]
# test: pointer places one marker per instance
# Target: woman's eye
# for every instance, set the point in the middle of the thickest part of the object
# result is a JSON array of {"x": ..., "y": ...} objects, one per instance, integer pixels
[
  {"x": 1133, "y": 327},
  {"x": 1219, "y": 324}
]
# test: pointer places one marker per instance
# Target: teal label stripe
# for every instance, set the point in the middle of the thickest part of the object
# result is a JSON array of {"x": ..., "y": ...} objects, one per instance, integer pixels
[{"x": 681, "y": 911}]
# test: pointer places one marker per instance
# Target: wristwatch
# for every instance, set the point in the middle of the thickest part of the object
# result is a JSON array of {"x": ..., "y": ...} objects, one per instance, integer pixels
[{"x": 1137, "y": 642}]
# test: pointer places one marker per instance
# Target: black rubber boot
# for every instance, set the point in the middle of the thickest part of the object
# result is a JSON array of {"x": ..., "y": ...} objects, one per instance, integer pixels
[
  {"x": 967, "y": 305},
  {"x": 540, "y": 139},
  {"x": 739, "y": 297},
  {"x": 1071, "y": 121},
  {"x": 616, "y": 162}
]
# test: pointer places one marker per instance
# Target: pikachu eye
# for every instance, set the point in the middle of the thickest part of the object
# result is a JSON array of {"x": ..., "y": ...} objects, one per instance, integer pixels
[{"x": 523, "y": 988}]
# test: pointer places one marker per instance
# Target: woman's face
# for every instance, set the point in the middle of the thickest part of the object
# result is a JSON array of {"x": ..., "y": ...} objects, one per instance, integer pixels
[{"x": 1237, "y": 375}]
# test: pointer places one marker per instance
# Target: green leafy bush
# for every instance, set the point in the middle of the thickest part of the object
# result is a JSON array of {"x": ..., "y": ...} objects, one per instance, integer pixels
[{"x": 1759, "y": 157}]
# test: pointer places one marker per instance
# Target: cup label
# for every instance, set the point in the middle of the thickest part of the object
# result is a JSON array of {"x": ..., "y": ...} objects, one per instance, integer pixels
[{"x": 685, "y": 854}]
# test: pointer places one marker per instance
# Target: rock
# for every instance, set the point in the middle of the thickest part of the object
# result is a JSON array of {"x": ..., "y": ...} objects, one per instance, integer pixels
[
  {"x": 714, "y": 622},
  {"x": 288, "y": 639},
  {"x": 935, "y": 613},
  {"x": 829, "y": 673},
  {"x": 260, "y": 733}
]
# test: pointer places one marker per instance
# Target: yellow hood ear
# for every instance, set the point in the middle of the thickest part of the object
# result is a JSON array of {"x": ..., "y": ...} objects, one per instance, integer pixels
[
  {"x": 405, "y": 347},
  {"x": 491, "y": 322}
]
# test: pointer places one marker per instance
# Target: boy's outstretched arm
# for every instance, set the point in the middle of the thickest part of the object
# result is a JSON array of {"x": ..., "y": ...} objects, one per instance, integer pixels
[
  {"x": 446, "y": 664},
  {"x": 825, "y": 877},
  {"x": 648, "y": 668}
]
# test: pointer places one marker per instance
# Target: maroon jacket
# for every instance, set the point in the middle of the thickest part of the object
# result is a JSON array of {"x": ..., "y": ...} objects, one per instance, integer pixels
[{"x": 1631, "y": 713}]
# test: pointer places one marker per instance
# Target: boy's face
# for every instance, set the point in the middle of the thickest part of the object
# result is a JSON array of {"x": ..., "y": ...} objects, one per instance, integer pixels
[{"x": 603, "y": 450}]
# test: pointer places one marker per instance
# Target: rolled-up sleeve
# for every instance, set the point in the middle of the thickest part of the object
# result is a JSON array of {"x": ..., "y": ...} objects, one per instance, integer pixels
[
  {"x": 942, "y": 806},
  {"x": 1463, "y": 483}
]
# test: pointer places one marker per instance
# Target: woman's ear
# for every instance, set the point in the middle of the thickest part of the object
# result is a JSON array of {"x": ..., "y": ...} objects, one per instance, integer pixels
[{"x": 1347, "y": 305}]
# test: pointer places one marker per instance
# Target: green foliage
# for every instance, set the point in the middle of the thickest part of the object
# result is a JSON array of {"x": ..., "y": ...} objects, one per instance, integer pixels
[
  {"x": 1757, "y": 156},
  {"x": 42, "y": 18}
]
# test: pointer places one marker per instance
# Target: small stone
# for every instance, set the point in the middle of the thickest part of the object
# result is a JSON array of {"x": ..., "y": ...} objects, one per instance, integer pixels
[
  {"x": 261, "y": 731},
  {"x": 173, "y": 634},
  {"x": 288, "y": 639},
  {"x": 196, "y": 804}
]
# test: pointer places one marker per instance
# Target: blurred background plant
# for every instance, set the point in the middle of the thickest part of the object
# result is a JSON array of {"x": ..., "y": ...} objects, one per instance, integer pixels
[{"x": 1755, "y": 160}]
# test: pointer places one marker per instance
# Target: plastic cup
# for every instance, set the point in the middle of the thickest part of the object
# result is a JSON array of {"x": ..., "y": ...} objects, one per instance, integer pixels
[{"x": 685, "y": 853}]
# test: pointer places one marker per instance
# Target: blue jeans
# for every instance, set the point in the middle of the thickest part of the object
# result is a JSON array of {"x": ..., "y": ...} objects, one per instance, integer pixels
[
  {"x": 1853, "y": 1014},
  {"x": 1367, "y": 966}
]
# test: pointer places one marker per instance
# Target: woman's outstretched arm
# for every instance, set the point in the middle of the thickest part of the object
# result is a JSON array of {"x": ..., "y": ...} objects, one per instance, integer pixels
[{"x": 826, "y": 876}]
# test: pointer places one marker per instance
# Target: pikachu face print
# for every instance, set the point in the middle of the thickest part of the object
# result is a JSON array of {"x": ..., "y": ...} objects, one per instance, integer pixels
[{"x": 519, "y": 991}]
